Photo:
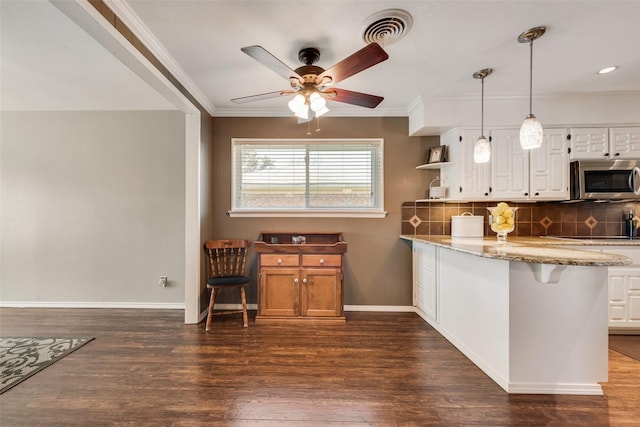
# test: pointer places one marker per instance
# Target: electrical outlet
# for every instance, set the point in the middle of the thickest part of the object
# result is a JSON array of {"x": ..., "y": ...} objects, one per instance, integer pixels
[{"x": 163, "y": 281}]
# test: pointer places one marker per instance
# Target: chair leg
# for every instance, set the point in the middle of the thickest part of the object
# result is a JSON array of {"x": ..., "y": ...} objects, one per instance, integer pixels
[
  {"x": 212, "y": 302},
  {"x": 245, "y": 318}
]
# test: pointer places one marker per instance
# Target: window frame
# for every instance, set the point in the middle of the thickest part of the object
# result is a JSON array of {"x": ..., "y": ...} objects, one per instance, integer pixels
[{"x": 376, "y": 212}]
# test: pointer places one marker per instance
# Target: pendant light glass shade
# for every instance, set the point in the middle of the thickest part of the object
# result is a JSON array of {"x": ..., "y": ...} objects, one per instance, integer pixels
[
  {"x": 482, "y": 151},
  {"x": 531, "y": 134},
  {"x": 482, "y": 148}
]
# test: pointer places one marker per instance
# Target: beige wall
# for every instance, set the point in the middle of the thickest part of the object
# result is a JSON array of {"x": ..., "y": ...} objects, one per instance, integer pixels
[
  {"x": 378, "y": 264},
  {"x": 92, "y": 209}
]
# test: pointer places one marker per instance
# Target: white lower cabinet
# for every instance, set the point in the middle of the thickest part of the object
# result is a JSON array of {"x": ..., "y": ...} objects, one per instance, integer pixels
[
  {"x": 624, "y": 292},
  {"x": 624, "y": 289},
  {"x": 425, "y": 281}
]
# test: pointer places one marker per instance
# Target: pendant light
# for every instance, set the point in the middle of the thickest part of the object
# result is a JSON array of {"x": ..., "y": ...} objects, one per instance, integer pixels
[
  {"x": 482, "y": 149},
  {"x": 531, "y": 129}
]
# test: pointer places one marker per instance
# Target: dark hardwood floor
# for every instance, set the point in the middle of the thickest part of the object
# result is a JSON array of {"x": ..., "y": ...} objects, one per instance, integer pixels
[{"x": 146, "y": 368}]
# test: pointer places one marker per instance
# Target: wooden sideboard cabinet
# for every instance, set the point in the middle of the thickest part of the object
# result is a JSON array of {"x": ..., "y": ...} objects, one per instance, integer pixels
[{"x": 300, "y": 281}]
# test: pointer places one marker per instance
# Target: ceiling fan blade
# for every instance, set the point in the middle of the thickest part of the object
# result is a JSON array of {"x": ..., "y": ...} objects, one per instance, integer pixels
[
  {"x": 366, "y": 57},
  {"x": 262, "y": 96},
  {"x": 261, "y": 55},
  {"x": 355, "y": 98}
]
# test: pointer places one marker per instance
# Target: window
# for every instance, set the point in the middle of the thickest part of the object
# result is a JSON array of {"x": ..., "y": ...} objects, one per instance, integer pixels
[{"x": 307, "y": 177}]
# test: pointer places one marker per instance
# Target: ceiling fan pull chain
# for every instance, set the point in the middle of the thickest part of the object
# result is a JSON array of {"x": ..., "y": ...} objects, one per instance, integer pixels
[
  {"x": 309, "y": 128},
  {"x": 318, "y": 124}
]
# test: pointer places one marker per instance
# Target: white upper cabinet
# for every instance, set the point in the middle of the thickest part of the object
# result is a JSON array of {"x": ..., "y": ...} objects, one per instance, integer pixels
[
  {"x": 509, "y": 166},
  {"x": 512, "y": 173},
  {"x": 464, "y": 179},
  {"x": 605, "y": 143},
  {"x": 589, "y": 143},
  {"x": 549, "y": 174},
  {"x": 624, "y": 143}
]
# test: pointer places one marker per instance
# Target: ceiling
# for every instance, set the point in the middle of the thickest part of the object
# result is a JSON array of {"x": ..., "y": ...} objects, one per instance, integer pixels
[{"x": 49, "y": 63}]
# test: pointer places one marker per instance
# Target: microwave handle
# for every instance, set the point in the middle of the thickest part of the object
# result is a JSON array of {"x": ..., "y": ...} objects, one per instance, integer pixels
[{"x": 634, "y": 181}]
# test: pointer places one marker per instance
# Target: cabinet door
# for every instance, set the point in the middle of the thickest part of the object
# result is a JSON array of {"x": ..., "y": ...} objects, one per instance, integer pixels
[
  {"x": 624, "y": 297},
  {"x": 549, "y": 167},
  {"x": 589, "y": 143},
  {"x": 625, "y": 143},
  {"x": 464, "y": 179},
  {"x": 425, "y": 289},
  {"x": 279, "y": 292},
  {"x": 321, "y": 292},
  {"x": 509, "y": 166},
  {"x": 475, "y": 177}
]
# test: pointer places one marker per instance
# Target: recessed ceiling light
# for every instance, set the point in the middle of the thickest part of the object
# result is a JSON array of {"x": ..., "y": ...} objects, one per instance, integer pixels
[{"x": 608, "y": 69}]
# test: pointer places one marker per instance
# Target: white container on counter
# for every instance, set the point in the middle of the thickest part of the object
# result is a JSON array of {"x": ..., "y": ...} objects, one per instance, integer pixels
[{"x": 467, "y": 225}]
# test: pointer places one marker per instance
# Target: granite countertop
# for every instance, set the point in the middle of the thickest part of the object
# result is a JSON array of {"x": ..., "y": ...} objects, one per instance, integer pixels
[{"x": 533, "y": 250}]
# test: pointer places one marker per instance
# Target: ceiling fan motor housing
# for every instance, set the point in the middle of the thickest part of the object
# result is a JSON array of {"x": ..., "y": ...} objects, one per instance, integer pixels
[{"x": 309, "y": 55}]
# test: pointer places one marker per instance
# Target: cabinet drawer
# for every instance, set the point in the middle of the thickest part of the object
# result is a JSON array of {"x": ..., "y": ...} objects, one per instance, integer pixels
[
  {"x": 279, "y": 260},
  {"x": 321, "y": 260}
]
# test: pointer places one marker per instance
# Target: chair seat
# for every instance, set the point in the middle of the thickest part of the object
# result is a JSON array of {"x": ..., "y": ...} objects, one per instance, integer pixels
[
  {"x": 228, "y": 281},
  {"x": 227, "y": 261}
]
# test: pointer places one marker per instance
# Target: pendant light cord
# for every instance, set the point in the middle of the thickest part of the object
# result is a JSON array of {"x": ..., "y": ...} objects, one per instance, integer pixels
[
  {"x": 482, "y": 110},
  {"x": 530, "y": 77}
]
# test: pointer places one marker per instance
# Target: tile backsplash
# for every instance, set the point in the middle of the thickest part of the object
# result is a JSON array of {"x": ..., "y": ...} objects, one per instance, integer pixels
[{"x": 532, "y": 219}]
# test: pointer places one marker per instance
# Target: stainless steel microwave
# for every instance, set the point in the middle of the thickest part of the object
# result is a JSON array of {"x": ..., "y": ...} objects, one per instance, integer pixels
[{"x": 605, "y": 179}]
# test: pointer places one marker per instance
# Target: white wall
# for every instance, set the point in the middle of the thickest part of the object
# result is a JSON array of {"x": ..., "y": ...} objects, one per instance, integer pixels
[{"x": 92, "y": 208}]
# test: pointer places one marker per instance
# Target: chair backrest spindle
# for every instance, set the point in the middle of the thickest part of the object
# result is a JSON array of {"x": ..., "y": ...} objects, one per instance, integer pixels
[{"x": 226, "y": 257}]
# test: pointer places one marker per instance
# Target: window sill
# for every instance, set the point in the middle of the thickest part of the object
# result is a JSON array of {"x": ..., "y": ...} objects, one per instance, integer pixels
[{"x": 248, "y": 213}]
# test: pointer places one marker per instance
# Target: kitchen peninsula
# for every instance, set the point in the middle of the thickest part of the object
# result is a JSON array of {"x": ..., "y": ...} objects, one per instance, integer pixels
[{"x": 531, "y": 313}]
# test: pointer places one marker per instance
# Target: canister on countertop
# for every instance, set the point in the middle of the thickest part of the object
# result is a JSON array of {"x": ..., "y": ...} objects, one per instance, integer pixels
[{"x": 467, "y": 225}]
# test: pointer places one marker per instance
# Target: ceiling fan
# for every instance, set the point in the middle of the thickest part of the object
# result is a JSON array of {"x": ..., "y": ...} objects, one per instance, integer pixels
[{"x": 312, "y": 84}]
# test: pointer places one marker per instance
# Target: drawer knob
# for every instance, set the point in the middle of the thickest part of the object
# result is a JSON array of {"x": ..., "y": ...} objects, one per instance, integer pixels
[
  {"x": 321, "y": 261},
  {"x": 279, "y": 261},
  {"x": 304, "y": 280},
  {"x": 295, "y": 280}
]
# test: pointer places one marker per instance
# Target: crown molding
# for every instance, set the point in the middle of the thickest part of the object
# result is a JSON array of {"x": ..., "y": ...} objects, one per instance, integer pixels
[
  {"x": 122, "y": 9},
  {"x": 283, "y": 112}
]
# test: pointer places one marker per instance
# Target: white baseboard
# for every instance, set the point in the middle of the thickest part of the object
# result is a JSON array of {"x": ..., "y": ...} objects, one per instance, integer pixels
[
  {"x": 180, "y": 306},
  {"x": 74, "y": 304},
  {"x": 389, "y": 308}
]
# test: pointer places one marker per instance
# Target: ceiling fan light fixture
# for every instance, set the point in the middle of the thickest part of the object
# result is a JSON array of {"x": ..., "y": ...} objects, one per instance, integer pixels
[
  {"x": 321, "y": 112},
  {"x": 531, "y": 134},
  {"x": 317, "y": 102},
  {"x": 296, "y": 103},
  {"x": 482, "y": 148},
  {"x": 302, "y": 112}
]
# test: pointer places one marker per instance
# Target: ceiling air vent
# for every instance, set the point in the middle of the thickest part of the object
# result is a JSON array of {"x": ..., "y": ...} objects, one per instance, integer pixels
[{"x": 387, "y": 26}]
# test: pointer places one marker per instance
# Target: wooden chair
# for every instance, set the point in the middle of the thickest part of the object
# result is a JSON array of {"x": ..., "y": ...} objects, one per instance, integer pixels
[{"x": 227, "y": 259}]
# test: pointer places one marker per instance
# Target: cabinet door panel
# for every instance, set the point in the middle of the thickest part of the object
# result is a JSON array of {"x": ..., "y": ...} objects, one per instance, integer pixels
[
  {"x": 634, "y": 308},
  {"x": 509, "y": 166},
  {"x": 279, "y": 292},
  {"x": 549, "y": 177},
  {"x": 321, "y": 292},
  {"x": 475, "y": 176},
  {"x": 589, "y": 143},
  {"x": 625, "y": 143},
  {"x": 617, "y": 313},
  {"x": 424, "y": 259}
]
